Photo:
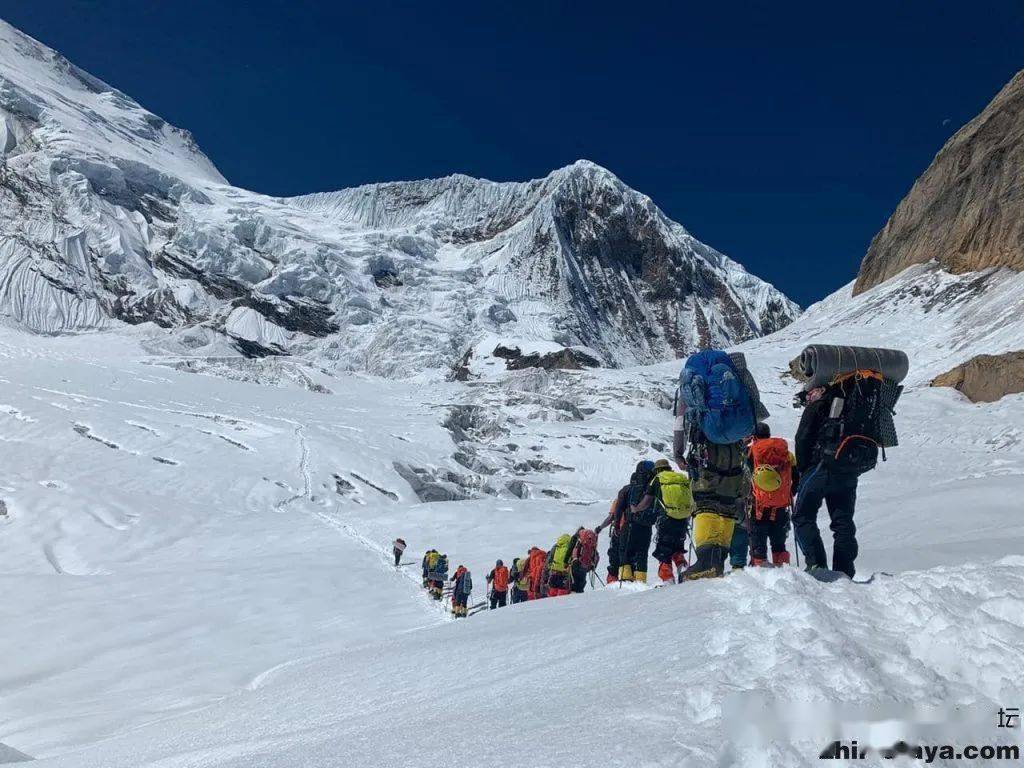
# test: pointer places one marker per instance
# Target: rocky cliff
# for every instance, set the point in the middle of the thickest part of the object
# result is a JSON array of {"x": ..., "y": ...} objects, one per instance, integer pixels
[{"x": 966, "y": 212}]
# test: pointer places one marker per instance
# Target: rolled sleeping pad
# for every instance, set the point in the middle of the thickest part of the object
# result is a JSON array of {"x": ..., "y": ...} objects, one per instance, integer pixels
[
  {"x": 821, "y": 363},
  {"x": 740, "y": 361}
]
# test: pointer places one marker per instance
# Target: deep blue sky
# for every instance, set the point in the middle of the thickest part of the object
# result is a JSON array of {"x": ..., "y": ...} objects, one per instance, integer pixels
[{"x": 780, "y": 133}]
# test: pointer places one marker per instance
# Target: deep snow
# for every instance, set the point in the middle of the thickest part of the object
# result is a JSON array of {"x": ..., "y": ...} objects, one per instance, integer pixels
[{"x": 208, "y": 593}]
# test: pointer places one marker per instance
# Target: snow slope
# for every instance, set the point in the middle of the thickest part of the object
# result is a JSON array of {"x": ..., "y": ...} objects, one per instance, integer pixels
[{"x": 215, "y": 589}]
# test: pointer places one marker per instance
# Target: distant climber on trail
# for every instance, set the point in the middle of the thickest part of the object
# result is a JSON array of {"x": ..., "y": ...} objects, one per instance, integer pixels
[
  {"x": 849, "y": 401},
  {"x": 583, "y": 560},
  {"x": 636, "y": 543},
  {"x": 397, "y": 548},
  {"x": 558, "y": 566},
  {"x": 438, "y": 575},
  {"x": 716, "y": 406},
  {"x": 498, "y": 580},
  {"x": 462, "y": 588},
  {"x": 668, "y": 503},
  {"x": 773, "y": 475},
  {"x": 428, "y": 562},
  {"x": 616, "y": 522},
  {"x": 536, "y": 570},
  {"x": 519, "y": 577}
]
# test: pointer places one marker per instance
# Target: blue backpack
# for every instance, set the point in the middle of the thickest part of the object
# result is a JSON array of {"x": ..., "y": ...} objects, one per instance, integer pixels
[{"x": 716, "y": 399}]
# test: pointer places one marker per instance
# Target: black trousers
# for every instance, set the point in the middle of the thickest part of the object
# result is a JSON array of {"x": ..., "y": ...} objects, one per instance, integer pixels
[
  {"x": 839, "y": 492},
  {"x": 671, "y": 538},
  {"x": 518, "y": 595},
  {"x": 614, "y": 554},
  {"x": 765, "y": 530},
  {"x": 579, "y": 578},
  {"x": 638, "y": 547},
  {"x": 398, "y": 556},
  {"x": 498, "y": 599}
]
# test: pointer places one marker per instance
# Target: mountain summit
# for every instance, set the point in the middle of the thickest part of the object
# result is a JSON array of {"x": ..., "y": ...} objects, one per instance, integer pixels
[{"x": 109, "y": 215}]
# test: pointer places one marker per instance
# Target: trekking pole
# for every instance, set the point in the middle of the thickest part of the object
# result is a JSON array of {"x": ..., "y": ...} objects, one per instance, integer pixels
[
  {"x": 796, "y": 544},
  {"x": 598, "y": 576}
]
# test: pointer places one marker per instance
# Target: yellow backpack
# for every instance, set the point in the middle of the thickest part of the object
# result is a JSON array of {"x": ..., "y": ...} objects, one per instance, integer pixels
[
  {"x": 560, "y": 554},
  {"x": 675, "y": 497}
]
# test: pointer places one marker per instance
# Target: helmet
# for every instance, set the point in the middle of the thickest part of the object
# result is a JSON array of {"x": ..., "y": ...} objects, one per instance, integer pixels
[
  {"x": 645, "y": 467},
  {"x": 767, "y": 478},
  {"x": 762, "y": 430},
  {"x": 499, "y": 563}
]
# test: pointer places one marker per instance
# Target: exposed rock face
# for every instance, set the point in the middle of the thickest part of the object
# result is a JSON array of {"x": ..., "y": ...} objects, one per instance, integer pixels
[
  {"x": 566, "y": 359},
  {"x": 986, "y": 378},
  {"x": 967, "y": 210}
]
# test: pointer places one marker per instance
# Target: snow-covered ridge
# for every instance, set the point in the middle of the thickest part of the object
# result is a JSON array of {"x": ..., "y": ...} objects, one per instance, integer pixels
[{"x": 108, "y": 215}]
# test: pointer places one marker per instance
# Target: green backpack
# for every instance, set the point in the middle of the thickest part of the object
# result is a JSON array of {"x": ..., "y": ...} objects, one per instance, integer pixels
[
  {"x": 675, "y": 497},
  {"x": 560, "y": 554}
]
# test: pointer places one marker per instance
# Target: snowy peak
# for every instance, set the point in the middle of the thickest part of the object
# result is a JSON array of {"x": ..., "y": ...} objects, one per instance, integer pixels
[
  {"x": 109, "y": 215},
  {"x": 49, "y": 104}
]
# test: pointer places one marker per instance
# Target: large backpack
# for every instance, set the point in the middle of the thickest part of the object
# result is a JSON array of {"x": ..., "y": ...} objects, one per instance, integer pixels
[
  {"x": 639, "y": 481},
  {"x": 559, "y": 561},
  {"x": 865, "y": 404},
  {"x": 772, "y": 480},
  {"x": 675, "y": 498},
  {"x": 501, "y": 578},
  {"x": 440, "y": 568},
  {"x": 537, "y": 566},
  {"x": 716, "y": 398},
  {"x": 466, "y": 584},
  {"x": 717, "y": 481},
  {"x": 586, "y": 549}
]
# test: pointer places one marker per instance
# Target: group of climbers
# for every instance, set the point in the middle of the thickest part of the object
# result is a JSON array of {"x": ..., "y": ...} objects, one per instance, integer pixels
[{"x": 736, "y": 489}]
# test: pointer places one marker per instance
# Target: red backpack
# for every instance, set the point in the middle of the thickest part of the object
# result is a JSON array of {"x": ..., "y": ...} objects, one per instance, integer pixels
[
  {"x": 586, "y": 549},
  {"x": 770, "y": 455}
]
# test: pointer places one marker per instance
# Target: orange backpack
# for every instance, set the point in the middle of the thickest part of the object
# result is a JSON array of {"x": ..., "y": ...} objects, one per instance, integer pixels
[
  {"x": 537, "y": 560},
  {"x": 500, "y": 579},
  {"x": 772, "y": 452}
]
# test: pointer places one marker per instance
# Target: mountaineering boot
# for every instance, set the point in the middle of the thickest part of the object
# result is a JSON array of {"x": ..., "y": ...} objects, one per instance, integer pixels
[
  {"x": 680, "y": 560},
  {"x": 625, "y": 573},
  {"x": 612, "y": 578},
  {"x": 665, "y": 573},
  {"x": 758, "y": 562},
  {"x": 780, "y": 558},
  {"x": 640, "y": 577}
]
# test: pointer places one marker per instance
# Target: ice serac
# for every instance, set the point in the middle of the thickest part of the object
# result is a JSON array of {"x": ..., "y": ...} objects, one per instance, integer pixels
[
  {"x": 109, "y": 215},
  {"x": 966, "y": 212}
]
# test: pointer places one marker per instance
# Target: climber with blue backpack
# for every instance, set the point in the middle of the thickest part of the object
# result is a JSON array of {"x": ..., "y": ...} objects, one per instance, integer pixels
[
  {"x": 716, "y": 407},
  {"x": 462, "y": 588}
]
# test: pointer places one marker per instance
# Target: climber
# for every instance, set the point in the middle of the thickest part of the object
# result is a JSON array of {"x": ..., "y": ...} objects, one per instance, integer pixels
[
  {"x": 583, "y": 559},
  {"x": 668, "y": 503},
  {"x": 829, "y": 466},
  {"x": 498, "y": 580},
  {"x": 462, "y": 587},
  {"x": 397, "y": 548},
  {"x": 429, "y": 558},
  {"x": 615, "y": 521},
  {"x": 535, "y": 569},
  {"x": 715, "y": 412},
  {"x": 438, "y": 575},
  {"x": 636, "y": 543},
  {"x": 772, "y": 477},
  {"x": 519, "y": 578},
  {"x": 558, "y": 566}
]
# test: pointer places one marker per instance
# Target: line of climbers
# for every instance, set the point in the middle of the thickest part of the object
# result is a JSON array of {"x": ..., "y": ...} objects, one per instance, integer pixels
[{"x": 740, "y": 486}]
